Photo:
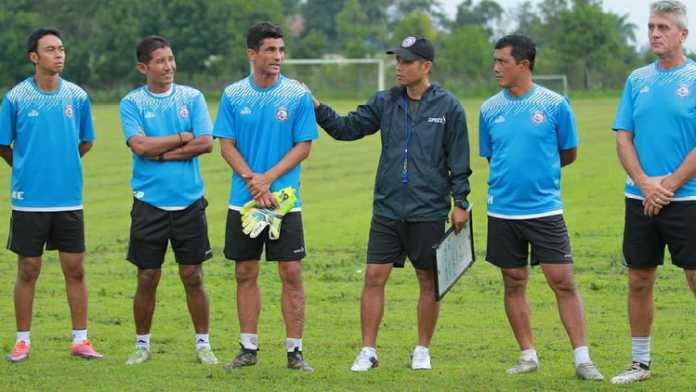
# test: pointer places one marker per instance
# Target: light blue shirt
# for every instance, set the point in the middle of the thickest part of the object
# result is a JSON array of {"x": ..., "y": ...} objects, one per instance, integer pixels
[
  {"x": 45, "y": 130},
  {"x": 659, "y": 108},
  {"x": 169, "y": 185},
  {"x": 265, "y": 124},
  {"x": 522, "y": 137}
]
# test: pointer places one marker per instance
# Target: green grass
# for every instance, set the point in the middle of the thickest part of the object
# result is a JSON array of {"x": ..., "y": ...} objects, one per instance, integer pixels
[{"x": 473, "y": 343}]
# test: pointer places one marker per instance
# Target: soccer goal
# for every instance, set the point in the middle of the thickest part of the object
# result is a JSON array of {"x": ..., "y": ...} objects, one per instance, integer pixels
[
  {"x": 558, "y": 83},
  {"x": 340, "y": 78}
]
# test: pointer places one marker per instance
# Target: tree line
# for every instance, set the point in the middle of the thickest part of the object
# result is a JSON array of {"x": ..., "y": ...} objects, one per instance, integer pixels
[{"x": 594, "y": 48}]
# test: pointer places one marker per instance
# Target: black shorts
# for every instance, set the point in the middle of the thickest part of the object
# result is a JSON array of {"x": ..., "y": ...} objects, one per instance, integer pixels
[
  {"x": 391, "y": 241},
  {"x": 645, "y": 237},
  {"x": 152, "y": 228},
  {"x": 509, "y": 241},
  {"x": 57, "y": 230},
  {"x": 241, "y": 247}
]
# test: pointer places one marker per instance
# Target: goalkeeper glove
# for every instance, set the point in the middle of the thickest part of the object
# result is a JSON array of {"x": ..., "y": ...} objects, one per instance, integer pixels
[{"x": 255, "y": 220}]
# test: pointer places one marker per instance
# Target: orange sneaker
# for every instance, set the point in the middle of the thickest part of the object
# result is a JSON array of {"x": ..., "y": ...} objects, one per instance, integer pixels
[
  {"x": 85, "y": 350},
  {"x": 20, "y": 352}
]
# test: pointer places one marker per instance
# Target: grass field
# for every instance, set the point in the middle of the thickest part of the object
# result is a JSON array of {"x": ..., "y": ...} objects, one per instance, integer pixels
[{"x": 473, "y": 344}]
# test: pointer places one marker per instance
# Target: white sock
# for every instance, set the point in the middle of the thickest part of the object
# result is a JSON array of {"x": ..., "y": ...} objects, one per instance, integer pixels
[
  {"x": 142, "y": 341},
  {"x": 293, "y": 343},
  {"x": 79, "y": 335},
  {"x": 202, "y": 340},
  {"x": 530, "y": 355},
  {"x": 582, "y": 355},
  {"x": 250, "y": 341},
  {"x": 370, "y": 350},
  {"x": 23, "y": 335},
  {"x": 421, "y": 348},
  {"x": 640, "y": 346}
]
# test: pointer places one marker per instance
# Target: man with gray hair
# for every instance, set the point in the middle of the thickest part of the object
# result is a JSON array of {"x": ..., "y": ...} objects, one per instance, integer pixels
[{"x": 656, "y": 142}]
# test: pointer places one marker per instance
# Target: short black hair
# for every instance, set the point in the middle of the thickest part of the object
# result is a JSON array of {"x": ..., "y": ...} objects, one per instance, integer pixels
[
  {"x": 523, "y": 48},
  {"x": 36, "y": 35},
  {"x": 148, "y": 45},
  {"x": 260, "y": 31}
]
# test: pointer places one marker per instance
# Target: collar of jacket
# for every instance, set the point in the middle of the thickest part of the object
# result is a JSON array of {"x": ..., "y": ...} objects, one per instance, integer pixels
[{"x": 397, "y": 93}]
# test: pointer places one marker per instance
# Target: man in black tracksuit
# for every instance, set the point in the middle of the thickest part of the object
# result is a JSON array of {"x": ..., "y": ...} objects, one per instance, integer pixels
[{"x": 423, "y": 167}]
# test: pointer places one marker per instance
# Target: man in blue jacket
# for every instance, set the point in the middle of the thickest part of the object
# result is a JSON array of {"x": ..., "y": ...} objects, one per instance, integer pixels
[{"x": 424, "y": 165}]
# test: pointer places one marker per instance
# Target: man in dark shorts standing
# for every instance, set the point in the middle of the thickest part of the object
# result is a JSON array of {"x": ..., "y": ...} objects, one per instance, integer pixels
[
  {"x": 45, "y": 128},
  {"x": 423, "y": 169},
  {"x": 266, "y": 125},
  {"x": 656, "y": 142},
  {"x": 527, "y": 133},
  {"x": 167, "y": 126}
]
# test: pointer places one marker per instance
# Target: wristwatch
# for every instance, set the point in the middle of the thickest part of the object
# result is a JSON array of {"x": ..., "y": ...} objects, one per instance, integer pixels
[{"x": 461, "y": 204}]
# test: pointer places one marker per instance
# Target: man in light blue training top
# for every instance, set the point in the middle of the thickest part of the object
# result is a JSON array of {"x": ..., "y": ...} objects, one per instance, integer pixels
[
  {"x": 167, "y": 126},
  {"x": 266, "y": 125},
  {"x": 528, "y": 133},
  {"x": 656, "y": 142},
  {"x": 45, "y": 127}
]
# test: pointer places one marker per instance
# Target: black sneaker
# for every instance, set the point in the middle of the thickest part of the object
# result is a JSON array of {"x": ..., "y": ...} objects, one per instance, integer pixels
[
  {"x": 246, "y": 357},
  {"x": 296, "y": 361}
]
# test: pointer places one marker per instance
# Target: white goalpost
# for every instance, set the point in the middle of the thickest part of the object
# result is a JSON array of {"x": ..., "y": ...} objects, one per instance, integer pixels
[{"x": 561, "y": 78}]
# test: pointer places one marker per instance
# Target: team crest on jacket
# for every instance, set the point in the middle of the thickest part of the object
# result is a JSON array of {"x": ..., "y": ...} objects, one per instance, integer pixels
[
  {"x": 282, "y": 114},
  {"x": 683, "y": 91},
  {"x": 538, "y": 117},
  {"x": 68, "y": 111},
  {"x": 183, "y": 112}
]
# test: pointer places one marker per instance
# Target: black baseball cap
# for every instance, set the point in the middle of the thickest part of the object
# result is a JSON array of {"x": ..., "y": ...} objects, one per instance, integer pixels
[{"x": 414, "y": 48}]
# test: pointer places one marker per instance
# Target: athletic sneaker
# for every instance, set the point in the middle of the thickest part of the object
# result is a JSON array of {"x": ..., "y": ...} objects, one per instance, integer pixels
[
  {"x": 245, "y": 357},
  {"x": 524, "y": 365},
  {"x": 365, "y": 361},
  {"x": 420, "y": 359},
  {"x": 205, "y": 356},
  {"x": 85, "y": 350},
  {"x": 296, "y": 361},
  {"x": 635, "y": 372},
  {"x": 140, "y": 355},
  {"x": 20, "y": 352},
  {"x": 588, "y": 371}
]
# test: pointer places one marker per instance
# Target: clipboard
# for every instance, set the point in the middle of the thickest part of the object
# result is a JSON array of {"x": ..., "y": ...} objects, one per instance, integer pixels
[{"x": 454, "y": 256}]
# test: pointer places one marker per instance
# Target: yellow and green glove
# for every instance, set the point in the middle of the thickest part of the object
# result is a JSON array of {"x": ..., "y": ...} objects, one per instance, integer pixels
[{"x": 255, "y": 220}]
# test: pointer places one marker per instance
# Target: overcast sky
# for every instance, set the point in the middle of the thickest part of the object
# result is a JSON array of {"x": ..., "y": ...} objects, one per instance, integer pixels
[{"x": 638, "y": 11}]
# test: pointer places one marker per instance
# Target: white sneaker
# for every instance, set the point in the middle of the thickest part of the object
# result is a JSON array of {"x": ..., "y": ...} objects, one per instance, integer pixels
[
  {"x": 524, "y": 365},
  {"x": 420, "y": 359},
  {"x": 365, "y": 361},
  {"x": 635, "y": 372}
]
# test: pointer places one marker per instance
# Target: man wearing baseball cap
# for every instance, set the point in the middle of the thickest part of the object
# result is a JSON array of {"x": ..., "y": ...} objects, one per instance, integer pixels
[{"x": 423, "y": 170}]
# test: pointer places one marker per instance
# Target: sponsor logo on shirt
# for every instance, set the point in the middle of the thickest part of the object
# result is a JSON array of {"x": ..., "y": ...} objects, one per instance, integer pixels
[
  {"x": 68, "y": 111},
  {"x": 183, "y": 112},
  {"x": 645, "y": 90},
  {"x": 139, "y": 194},
  {"x": 499, "y": 120},
  {"x": 629, "y": 181},
  {"x": 150, "y": 115},
  {"x": 437, "y": 120},
  {"x": 683, "y": 91},
  {"x": 33, "y": 113},
  {"x": 490, "y": 199},
  {"x": 538, "y": 117},
  {"x": 246, "y": 111},
  {"x": 16, "y": 195},
  {"x": 282, "y": 114}
]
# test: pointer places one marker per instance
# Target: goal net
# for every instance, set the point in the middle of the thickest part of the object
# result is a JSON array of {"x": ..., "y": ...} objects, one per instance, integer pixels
[
  {"x": 338, "y": 78},
  {"x": 557, "y": 83}
]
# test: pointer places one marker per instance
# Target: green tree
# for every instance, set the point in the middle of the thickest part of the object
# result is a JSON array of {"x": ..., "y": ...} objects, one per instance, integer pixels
[
  {"x": 485, "y": 14},
  {"x": 415, "y": 24},
  {"x": 353, "y": 30}
]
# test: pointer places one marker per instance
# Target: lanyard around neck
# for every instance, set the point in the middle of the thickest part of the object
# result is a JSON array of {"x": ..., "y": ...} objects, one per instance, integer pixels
[{"x": 408, "y": 130}]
